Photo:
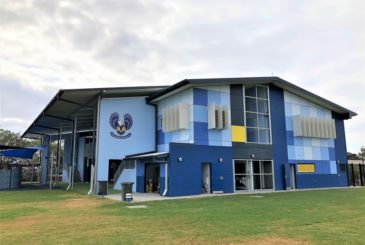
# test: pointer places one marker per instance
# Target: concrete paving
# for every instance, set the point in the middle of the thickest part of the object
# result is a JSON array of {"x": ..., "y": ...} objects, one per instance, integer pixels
[{"x": 146, "y": 197}]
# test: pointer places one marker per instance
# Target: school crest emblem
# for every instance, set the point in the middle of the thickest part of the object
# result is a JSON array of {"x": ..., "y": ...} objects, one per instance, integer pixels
[{"x": 121, "y": 126}]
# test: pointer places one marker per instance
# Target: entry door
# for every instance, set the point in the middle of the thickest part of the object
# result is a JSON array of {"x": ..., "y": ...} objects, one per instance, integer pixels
[
  {"x": 292, "y": 176},
  {"x": 217, "y": 177},
  {"x": 206, "y": 178},
  {"x": 242, "y": 177}
]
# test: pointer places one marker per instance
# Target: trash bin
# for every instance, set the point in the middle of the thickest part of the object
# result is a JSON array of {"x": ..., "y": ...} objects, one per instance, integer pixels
[
  {"x": 127, "y": 188},
  {"x": 103, "y": 187}
]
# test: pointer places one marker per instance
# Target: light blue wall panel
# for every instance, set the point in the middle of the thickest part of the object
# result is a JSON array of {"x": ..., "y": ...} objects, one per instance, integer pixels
[
  {"x": 321, "y": 113},
  {"x": 313, "y": 112},
  {"x": 331, "y": 143},
  {"x": 142, "y": 130},
  {"x": 333, "y": 167},
  {"x": 184, "y": 134},
  {"x": 289, "y": 123},
  {"x": 308, "y": 153},
  {"x": 291, "y": 152},
  {"x": 214, "y": 96},
  {"x": 324, "y": 142},
  {"x": 161, "y": 148},
  {"x": 298, "y": 141},
  {"x": 168, "y": 102},
  {"x": 191, "y": 96},
  {"x": 295, "y": 109},
  {"x": 226, "y": 99},
  {"x": 325, "y": 153},
  {"x": 191, "y": 131},
  {"x": 168, "y": 137},
  {"x": 160, "y": 107},
  {"x": 175, "y": 136},
  {"x": 215, "y": 143},
  {"x": 184, "y": 96},
  {"x": 304, "y": 110},
  {"x": 307, "y": 141},
  {"x": 215, "y": 134},
  {"x": 226, "y": 134},
  {"x": 227, "y": 143},
  {"x": 80, "y": 157},
  {"x": 288, "y": 110},
  {"x": 316, "y": 153},
  {"x": 316, "y": 142},
  {"x": 200, "y": 114},
  {"x": 299, "y": 152},
  {"x": 191, "y": 113}
]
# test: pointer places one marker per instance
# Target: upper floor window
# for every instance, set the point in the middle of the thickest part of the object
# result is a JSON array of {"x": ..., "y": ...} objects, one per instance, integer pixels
[{"x": 257, "y": 114}]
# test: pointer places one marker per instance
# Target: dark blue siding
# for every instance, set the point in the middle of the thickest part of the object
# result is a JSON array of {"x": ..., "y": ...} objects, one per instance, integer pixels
[
  {"x": 185, "y": 178},
  {"x": 278, "y": 131},
  {"x": 340, "y": 148}
]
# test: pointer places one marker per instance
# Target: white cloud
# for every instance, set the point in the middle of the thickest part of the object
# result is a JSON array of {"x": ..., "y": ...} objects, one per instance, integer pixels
[{"x": 49, "y": 45}]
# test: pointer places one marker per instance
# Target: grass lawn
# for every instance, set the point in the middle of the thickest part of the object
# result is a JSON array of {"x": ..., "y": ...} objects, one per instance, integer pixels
[{"x": 309, "y": 217}]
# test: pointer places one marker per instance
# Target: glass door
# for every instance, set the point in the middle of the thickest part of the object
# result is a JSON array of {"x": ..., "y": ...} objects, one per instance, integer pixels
[
  {"x": 241, "y": 175},
  {"x": 253, "y": 175}
]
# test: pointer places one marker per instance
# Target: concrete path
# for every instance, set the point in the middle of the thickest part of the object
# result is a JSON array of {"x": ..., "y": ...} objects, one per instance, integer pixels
[{"x": 146, "y": 197}]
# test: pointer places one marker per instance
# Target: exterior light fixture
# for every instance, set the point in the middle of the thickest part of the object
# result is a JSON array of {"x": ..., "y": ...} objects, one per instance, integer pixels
[
  {"x": 338, "y": 162},
  {"x": 252, "y": 156},
  {"x": 220, "y": 160},
  {"x": 180, "y": 159}
]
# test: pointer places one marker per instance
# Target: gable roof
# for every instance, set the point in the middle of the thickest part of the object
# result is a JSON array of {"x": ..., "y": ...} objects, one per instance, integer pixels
[{"x": 277, "y": 81}]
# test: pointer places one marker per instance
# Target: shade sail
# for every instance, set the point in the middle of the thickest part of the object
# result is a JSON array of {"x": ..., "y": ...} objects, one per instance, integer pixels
[{"x": 26, "y": 153}]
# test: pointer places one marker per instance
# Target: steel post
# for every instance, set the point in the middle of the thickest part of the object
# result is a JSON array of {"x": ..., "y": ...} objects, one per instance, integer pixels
[
  {"x": 31, "y": 181},
  {"x": 73, "y": 159},
  {"x": 50, "y": 175}
]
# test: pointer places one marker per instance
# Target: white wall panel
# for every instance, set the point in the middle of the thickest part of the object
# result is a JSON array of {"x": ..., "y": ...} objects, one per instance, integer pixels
[
  {"x": 225, "y": 89},
  {"x": 287, "y": 97},
  {"x": 211, "y": 116},
  {"x": 295, "y": 99},
  {"x": 183, "y": 116},
  {"x": 328, "y": 114},
  {"x": 214, "y": 88},
  {"x": 295, "y": 109}
]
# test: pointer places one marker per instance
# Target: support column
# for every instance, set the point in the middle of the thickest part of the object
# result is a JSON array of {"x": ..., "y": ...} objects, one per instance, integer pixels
[{"x": 73, "y": 158}]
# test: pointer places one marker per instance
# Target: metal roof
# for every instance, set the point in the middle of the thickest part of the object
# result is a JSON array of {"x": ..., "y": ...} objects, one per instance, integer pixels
[
  {"x": 184, "y": 84},
  {"x": 64, "y": 105}
]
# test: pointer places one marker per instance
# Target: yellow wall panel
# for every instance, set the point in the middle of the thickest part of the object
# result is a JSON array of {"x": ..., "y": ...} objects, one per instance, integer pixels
[
  {"x": 306, "y": 168},
  {"x": 238, "y": 133}
]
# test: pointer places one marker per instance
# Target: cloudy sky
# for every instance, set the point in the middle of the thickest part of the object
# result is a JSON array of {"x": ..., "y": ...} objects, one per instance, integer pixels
[{"x": 48, "y": 45}]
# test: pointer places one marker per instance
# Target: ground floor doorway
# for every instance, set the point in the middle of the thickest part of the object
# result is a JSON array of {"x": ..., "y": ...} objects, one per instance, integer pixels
[
  {"x": 292, "y": 176},
  {"x": 206, "y": 178},
  {"x": 113, "y": 166},
  {"x": 253, "y": 175},
  {"x": 152, "y": 178}
]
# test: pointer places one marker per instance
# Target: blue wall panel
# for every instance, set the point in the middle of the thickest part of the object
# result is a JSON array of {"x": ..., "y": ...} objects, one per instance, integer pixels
[
  {"x": 200, "y": 96},
  {"x": 327, "y": 180},
  {"x": 301, "y": 182},
  {"x": 340, "y": 141},
  {"x": 310, "y": 178},
  {"x": 319, "y": 180},
  {"x": 280, "y": 149},
  {"x": 185, "y": 178}
]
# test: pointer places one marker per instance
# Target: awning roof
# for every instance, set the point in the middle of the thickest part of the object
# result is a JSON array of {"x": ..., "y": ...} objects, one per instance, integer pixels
[
  {"x": 22, "y": 153},
  {"x": 64, "y": 105},
  {"x": 252, "y": 80},
  {"x": 149, "y": 155}
]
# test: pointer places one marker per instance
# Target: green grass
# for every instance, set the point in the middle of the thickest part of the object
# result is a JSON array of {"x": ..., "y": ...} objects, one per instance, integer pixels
[{"x": 334, "y": 216}]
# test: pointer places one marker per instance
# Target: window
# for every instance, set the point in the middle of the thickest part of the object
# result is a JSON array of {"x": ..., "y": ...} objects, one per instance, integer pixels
[
  {"x": 257, "y": 114},
  {"x": 342, "y": 168},
  {"x": 306, "y": 168}
]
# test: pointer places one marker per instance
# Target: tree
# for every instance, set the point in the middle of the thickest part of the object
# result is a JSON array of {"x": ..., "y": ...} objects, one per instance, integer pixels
[
  {"x": 361, "y": 154},
  {"x": 352, "y": 156}
]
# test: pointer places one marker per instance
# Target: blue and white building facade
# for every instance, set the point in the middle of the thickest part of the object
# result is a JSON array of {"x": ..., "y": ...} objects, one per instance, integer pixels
[{"x": 218, "y": 136}]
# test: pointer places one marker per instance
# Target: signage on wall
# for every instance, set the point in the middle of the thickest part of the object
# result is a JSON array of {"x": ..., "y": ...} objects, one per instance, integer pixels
[{"x": 120, "y": 126}]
